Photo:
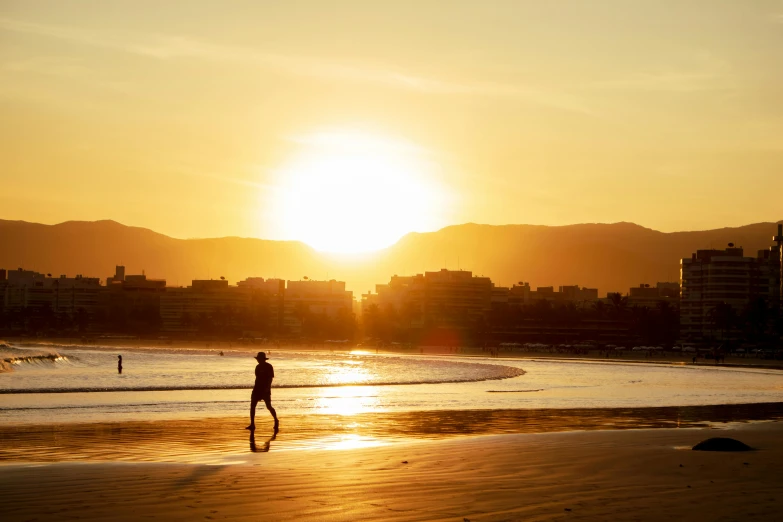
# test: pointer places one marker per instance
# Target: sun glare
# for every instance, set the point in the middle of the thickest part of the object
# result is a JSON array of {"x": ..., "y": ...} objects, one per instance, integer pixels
[{"x": 348, "y": 193}]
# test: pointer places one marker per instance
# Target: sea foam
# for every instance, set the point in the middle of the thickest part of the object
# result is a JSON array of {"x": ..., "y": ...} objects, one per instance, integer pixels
[{"x": 11, "y": 356}]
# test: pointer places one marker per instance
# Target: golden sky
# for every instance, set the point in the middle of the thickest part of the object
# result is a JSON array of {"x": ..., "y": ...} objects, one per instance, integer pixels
[{"x": 267, "y": 119}]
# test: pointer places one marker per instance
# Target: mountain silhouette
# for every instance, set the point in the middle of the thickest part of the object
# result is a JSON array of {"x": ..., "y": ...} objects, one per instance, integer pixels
[{"x": 610, "y": 257}]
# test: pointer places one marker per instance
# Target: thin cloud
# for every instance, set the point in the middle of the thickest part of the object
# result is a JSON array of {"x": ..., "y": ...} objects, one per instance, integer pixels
[
  {"x": 667, "y": 81},
  {"x": 180, "y": 47},
  {"x": 46, "y": 65},
  {"x": 57, "y": 32},
  {"x": 171, "y": 48},
  {"x": 696, "y": 71},
  {"x": 189, "y": 170}
]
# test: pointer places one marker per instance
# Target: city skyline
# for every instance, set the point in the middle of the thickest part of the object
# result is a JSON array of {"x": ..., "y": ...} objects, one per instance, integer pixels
[
  {"x": 611, "y": 257},
  {"x": 323, "y": 125}
]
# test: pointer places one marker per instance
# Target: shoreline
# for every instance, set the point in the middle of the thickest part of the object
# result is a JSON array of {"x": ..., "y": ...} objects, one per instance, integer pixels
[
  {"x": 641, "y": 475},
  {"x": 205, "y": 347}
]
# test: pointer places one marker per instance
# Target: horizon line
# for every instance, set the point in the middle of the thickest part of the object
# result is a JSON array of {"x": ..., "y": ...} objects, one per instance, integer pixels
[{"x": 367, "y": 252}]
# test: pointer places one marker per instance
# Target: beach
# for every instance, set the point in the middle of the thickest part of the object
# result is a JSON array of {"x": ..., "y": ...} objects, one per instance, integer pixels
[
  {"x": 580, "y": 475},
  {"x": 385, "y": 436}
]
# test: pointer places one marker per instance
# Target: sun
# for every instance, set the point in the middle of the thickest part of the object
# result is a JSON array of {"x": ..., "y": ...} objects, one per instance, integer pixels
[{"x": 349, "y": 192}]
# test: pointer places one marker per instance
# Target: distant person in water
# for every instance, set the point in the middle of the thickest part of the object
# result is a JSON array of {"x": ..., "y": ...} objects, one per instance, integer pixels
[
  {"x": 262, "y": 391},
  {"x": 119, "y": 364}
]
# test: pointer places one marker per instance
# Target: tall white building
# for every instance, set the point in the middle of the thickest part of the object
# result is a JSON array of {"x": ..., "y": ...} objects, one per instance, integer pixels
[{"x": 711, "y": 277}]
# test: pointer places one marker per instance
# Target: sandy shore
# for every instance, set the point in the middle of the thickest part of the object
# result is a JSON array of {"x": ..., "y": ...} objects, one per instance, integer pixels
[{"x": 598, "y": 475}]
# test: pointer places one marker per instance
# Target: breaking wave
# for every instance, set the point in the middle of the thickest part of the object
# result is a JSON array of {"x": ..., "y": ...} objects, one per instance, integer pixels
[{"x": 11, "y": 357}]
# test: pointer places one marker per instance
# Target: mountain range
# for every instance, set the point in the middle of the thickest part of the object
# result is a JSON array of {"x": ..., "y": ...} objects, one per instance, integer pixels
[{"x": 610, "y": 257}]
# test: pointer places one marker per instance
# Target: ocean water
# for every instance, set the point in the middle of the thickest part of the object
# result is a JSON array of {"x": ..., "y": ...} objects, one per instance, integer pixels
[
  {"x": 71, "y": 369},
  {"x": 50, "y": 384}
]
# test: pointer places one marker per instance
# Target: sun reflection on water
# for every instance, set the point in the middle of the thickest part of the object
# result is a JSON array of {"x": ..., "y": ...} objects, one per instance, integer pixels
[
  {"x": 348, "y": 400},
  {"x": 352, "y": 441},
  {"x": 351, "y": 371}
]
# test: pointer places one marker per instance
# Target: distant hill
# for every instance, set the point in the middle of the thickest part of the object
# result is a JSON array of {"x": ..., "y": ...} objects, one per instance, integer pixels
[{"x": 611, "y": 257}]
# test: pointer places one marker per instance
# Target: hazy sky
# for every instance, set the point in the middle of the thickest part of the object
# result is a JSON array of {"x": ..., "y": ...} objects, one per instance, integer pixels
[{"x": 192, "y": 118}]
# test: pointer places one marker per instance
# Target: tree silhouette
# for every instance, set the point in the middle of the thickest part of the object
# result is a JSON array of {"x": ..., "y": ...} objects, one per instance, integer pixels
[
  {"x": 599, "y": 308},
  {"x": 756, "y": 318},
  {"x": 723, "y": 317},
  {"x": 619, "y": 303},
  {"x": 303, "y": 315}
]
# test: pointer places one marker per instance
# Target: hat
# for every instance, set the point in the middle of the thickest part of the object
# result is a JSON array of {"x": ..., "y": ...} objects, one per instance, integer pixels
[{"x": 261, "y": 356}]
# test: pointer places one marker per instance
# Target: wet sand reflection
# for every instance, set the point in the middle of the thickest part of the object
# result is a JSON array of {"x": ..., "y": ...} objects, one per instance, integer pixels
[
  {"x": 193, "y": 440},
  {"x": 265, "y": 446}
]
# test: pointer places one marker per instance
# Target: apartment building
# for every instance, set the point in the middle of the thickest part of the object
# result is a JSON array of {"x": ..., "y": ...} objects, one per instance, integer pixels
[
  {"x": 253, "y": 306},
  {"x": 403, "y": 294},
  {"x": 711, "y": 277},
  {"x": 327, "y": 298},
  {"x": 649, "y": 296},
  {"x": 22, "y": 289},
  {"x": 447, "y": 298},
  {"x": 131, "y": 302},
  {"x": 522, "y": 294}
]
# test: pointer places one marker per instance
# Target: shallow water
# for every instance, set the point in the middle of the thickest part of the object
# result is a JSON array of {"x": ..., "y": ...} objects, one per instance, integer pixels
[
  {"x": 83, "y": 370},
  {"x": 222, "y": 440},
  {"x": 184, "y": 385}
]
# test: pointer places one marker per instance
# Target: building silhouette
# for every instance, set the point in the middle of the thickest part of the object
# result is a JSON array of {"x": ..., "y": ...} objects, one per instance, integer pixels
[
  {"x": 26, "y": 289},
  {"x": 712, "y": 279},
  {"x": 328, "y": 299},
  {"x": 213, "y": 306},
  {"x": 447, "y": 298},
  {"x": 131, "y": 303},
  {"x": 651, "y": 296}
]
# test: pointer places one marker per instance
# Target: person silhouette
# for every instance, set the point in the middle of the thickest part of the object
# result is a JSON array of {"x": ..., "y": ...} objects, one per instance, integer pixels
[
  {"x": 119, "y": 364},
  {"x": 262, "y": 391}
]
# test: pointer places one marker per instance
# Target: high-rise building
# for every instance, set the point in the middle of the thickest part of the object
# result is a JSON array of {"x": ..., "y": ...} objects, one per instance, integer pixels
[
  {"x": 403, "y": 294},
  {"x": 131, "y": 302},
  {"x": 713, "y": 277},
  {"x": 253, "y": 306},
  {"x": 447, "y": 298},
  {"x": 455, "y": 297},
  {"x": 324, "y": 298}
]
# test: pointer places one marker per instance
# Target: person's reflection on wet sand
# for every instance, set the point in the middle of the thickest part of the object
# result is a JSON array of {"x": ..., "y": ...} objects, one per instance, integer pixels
[{"x": 265, "y": 446}]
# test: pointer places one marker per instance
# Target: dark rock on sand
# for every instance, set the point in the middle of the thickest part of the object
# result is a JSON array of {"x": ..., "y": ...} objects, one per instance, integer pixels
[{"x": 721, "y": 444}]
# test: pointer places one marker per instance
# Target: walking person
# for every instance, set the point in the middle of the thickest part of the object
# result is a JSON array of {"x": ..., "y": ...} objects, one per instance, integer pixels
[
  {"x": 119, "y": 364},
  {"x": 262, "y": 391}
]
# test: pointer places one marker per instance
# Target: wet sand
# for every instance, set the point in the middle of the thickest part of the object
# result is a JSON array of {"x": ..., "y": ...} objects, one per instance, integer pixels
[
  {"x": 593, "y": 475},
  {"x": 213, "y": 439}
]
